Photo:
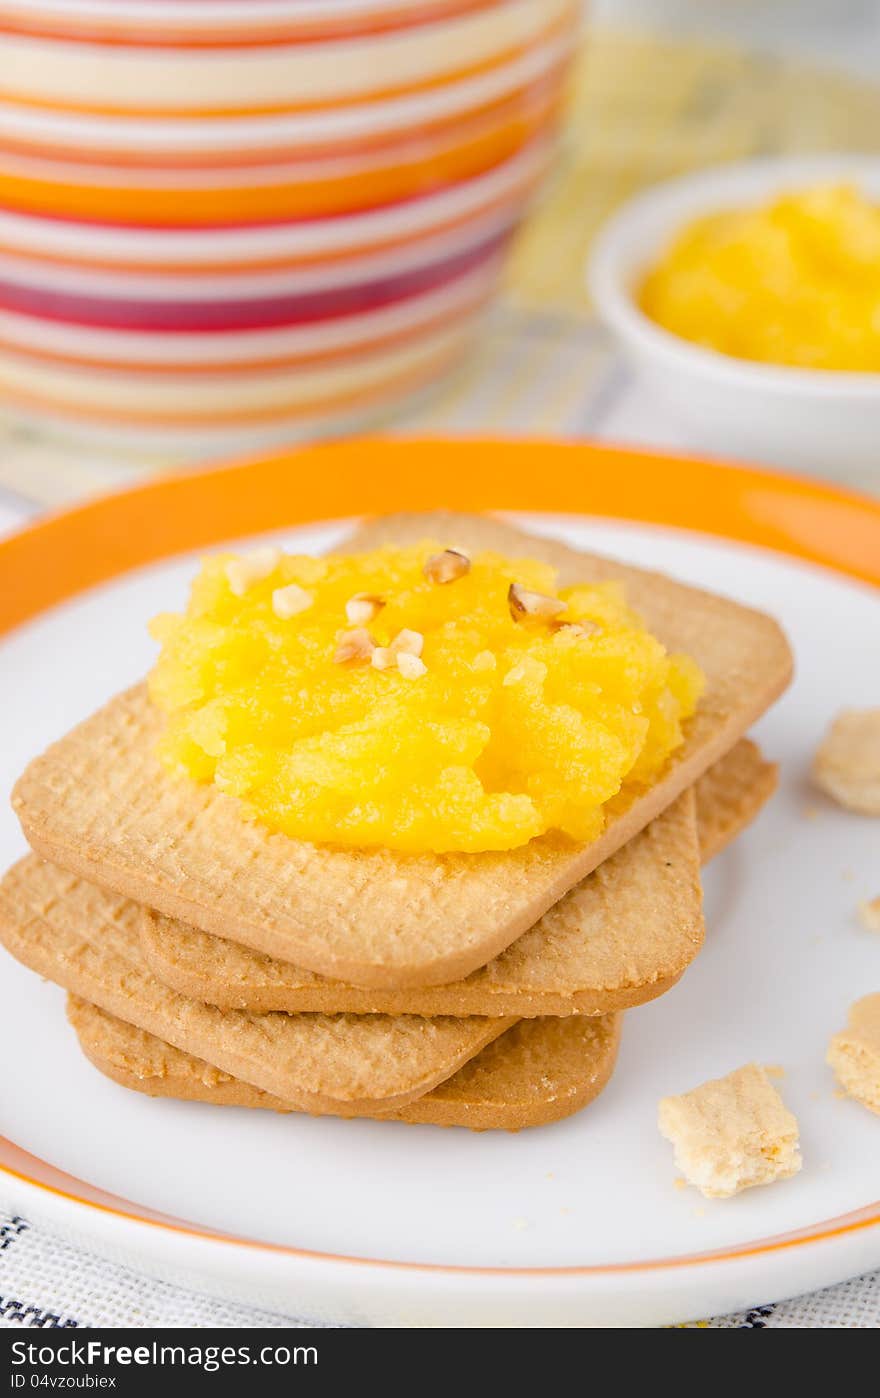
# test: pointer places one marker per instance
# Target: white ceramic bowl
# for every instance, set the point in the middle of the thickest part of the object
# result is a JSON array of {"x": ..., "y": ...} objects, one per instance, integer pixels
[{"x": 802, "y": 418}]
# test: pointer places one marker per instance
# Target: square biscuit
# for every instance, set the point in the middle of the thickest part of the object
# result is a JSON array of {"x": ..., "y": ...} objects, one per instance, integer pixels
[
  {"x": 538, "y": 1072},
  {"x": 99, "y": 803},
  {"x": 732, "y": 1133},
  {"x": 74, "y": 934},
  {"x": 620, "y": 937}
]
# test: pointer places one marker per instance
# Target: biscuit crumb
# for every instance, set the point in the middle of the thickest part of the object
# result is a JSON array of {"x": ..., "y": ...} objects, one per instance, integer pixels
[
  {"x": 565, "y": 1210},
  {"x": 549, "y": 1175},
  {"x": 680, "y": 1182},
  {"x": 521, "y": 1224},
  {"x": 848, "y": 875},
  {"x": 869, "y": 914},
  {"x": 732, "y": 1133},
  {"x": 854, "y": 1054},
  {"x": 810, "y": 812},
  {"x": 847, "y": 762},
  {"x": 699, "y": 1212}
]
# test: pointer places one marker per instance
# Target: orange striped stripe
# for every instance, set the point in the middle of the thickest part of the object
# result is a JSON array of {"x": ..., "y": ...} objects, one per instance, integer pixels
[
  {"x": 121, "y": 158},
  {"x": 568, "y": 25},
  {"x": 237, "y": 368},
  {"x": 133, "y": 205},
  {"x": 272, "y": 264},
  {"x": 168, "y": 34},
  {"x": 394, "y": 386}
]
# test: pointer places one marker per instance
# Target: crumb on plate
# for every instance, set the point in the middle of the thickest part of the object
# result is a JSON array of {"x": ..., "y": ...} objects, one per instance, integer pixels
[
  {"x": 854, "y": 1054},
  {"x": 847, "y": 762},
  {"x": 732, "y": 1133}
]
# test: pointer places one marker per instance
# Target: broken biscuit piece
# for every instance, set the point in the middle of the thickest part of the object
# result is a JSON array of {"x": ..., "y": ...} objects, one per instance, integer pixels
[
  {"x": 732, "y": 1133},
  {"x": 854, "y": 1054},
  {"x": 869, "y": 914},
  {"x": 847, "y": 762}
]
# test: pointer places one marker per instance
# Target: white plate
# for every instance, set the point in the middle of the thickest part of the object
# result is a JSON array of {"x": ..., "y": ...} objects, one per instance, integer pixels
[{"x": 593, "y": 1199}]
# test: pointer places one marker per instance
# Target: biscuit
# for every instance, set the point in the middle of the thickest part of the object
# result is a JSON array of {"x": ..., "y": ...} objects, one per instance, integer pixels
[
  {"x": 847, "y": 761},
  {"x": 99, "y": 804},
  {"x": 854, "y": 1054},
  {"x": 732, "y": 1133},
  {"x": 624, "y": 935},
  {"x": 730, "y": 795},
  {"x": 71, "y": 933},
  {"x": 538, "y": 1072},
  {"x": 621, "y": 937}
]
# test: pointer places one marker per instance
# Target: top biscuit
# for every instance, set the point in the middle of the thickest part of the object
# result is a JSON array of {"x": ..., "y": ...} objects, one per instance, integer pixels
[{"x": 99, "y": 803}]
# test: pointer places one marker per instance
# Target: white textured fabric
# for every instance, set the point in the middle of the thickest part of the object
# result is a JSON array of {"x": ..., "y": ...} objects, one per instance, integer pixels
[{"x": 47, "y": 1284}]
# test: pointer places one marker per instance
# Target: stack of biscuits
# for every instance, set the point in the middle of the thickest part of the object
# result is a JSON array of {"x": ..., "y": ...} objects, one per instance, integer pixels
[{"x": 206, "y": 957}]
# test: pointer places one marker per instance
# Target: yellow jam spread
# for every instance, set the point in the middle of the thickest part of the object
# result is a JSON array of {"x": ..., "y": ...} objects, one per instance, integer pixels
[
  {"x": 795, "y": 282},
  {"x": 415, "y": 698}
]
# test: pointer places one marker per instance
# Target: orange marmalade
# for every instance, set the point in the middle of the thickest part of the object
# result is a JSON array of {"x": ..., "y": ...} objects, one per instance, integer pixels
[
  {"x": 795, "y": 281},
  {"x": 415, "y": 698}
]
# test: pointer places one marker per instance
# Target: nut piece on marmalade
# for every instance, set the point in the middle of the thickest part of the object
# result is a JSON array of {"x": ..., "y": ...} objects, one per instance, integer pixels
[
  {"x": 355, "y": 647},
  {"x": 447, "y": 567},
  {"x": 244, "y": 572},
  {"x": 363, "y": 607},
  {"x": 289, "y": 601},
  {"x": 523, "y": 603},
  {"x": 405, "y": 644}
]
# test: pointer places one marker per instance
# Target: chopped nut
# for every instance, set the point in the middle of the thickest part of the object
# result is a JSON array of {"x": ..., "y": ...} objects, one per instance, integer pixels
[
  {"x": 869, "y": 914},
  {"x": 404, "y": 652},
  {"x": 484, "y": 660},
  {"x": 407, "y": 642},
  {"x": 447, "y": 567},
  {"x": 382, "y": 658},
  {"x": 523, "y": 603},
  {"x": 577, "y": 628},
  {"x": 411, "y": 666},
  {"x": 363, "y": 607},
  {"x": 404, "y": 643},
  {"x": 250, "y": 568},
  {"x": 356, "y": 645},
  {"x": 290, "y": 601}
]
